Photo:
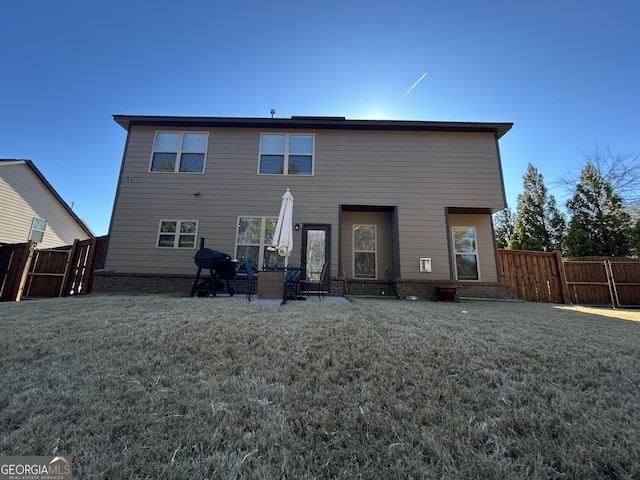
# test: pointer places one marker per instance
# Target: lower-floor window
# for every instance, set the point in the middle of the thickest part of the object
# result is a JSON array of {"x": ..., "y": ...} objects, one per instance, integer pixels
[
  {"x": 466, "y": 253},
  {"x": 254, "y": 239},
  {"x": 177, "y": 233},
  {"x": 364, "y": 251}
]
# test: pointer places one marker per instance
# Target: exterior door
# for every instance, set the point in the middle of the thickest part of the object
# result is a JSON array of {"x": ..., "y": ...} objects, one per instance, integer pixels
[{"x": 316, "y": 242}]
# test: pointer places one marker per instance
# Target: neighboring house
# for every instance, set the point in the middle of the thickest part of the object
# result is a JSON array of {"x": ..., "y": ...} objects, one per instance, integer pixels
[
  {"x": 395, "y": 206},
  {"x": 30, "y": 209}
]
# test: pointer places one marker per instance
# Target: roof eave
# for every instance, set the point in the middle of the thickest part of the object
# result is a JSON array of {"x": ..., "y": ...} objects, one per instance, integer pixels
[{"x": 319, "y": 123}]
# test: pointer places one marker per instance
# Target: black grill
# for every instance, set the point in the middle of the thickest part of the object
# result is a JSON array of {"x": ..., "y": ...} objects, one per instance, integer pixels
[{"x": 221, "y": 267}]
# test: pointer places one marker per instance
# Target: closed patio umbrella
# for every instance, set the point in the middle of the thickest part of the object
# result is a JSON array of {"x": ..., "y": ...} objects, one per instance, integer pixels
[{"x": 283, "y": 236}]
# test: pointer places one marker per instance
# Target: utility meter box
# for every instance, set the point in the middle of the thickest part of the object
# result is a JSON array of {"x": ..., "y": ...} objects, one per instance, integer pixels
[{"x": 425, "y": 264}]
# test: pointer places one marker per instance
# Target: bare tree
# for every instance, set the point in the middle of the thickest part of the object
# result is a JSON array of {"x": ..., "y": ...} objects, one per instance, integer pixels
[{"x": 621, "y": 171}]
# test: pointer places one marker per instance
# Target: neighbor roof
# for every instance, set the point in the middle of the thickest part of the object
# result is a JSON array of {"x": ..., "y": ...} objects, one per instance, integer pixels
[
  {"x": 49, "y": 187},
  {"x": 297, "y": 122}
]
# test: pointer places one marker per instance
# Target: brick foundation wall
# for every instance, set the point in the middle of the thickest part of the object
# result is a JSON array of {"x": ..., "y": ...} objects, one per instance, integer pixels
[
  {"x": 371, "y": 288},
  {"x": 112, "y": 282},
  {"x": 105, "y": 281},
  {"x": 337, "y": 287},
  {"x": 423, "y": 289},
  {"x": 482, "y": 290},
  {"x": 117, "y": 282}
]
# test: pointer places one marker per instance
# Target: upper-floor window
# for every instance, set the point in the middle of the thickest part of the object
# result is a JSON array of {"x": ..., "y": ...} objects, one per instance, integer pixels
[
  {"x": 38, "y": 227},
  {"x": 466, "y": 252},
  {"x": 177, "y": 233},
  {"x": 286, "y": 154},
  {"x": 179, "y": 152}
]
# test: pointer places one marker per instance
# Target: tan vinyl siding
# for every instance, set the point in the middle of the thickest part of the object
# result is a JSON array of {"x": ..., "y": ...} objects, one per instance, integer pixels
[
  {"x": 485, "y": 243},
  {"x": 423, "y": 233},
  {"x": 420, "y": 173},
  {"x": 23, "y": 197},
  {"x": 382, "y": 221},
  {"x": 411, "y": 167}
]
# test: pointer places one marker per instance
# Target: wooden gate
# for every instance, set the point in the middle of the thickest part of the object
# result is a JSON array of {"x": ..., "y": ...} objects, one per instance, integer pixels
[
  {"x": 626, "y": 282},
  {"x": 604, "y": 282},
  {"x": 47, "y": 273}
]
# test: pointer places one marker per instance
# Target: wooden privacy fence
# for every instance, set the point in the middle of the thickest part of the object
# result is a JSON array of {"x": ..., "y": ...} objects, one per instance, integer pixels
[
  {"x": 28, "y": 272},
  {"x": 14, "y": 266},
  {"x": 546, "y": 277},
  {"x": 604, "y": 281},
  {"x": 533, "y": 276}
]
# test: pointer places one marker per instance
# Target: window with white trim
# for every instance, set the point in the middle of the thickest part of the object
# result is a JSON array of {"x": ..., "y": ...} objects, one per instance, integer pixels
[
  {"x": 286, "y": 154},
  {"x": 254, "y": 238},
  {"x": 177, "y": 233},
  {"x": 182, "y": 152},
  {"x": 38, "y": 227},
  {"x": 466, "y": 253},
  {"x": 364, "y": 251}
]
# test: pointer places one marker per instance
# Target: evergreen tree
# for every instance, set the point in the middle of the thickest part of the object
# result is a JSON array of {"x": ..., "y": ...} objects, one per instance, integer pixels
[
  {"x": 539, "y": 224},
  {"x": 599, "y": 225},
  {"x": 635, "y": 239},
  {"x": 503, "y": 227}
]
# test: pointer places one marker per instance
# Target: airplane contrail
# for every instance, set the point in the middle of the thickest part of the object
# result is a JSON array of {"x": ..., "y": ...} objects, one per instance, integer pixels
[{"x": 414, "y": 85}]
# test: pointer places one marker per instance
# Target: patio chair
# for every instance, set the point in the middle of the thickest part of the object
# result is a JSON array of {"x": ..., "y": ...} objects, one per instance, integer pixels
[
  {"x": 251, "y": 279},
  {"x": 292, "y": 282},
  {"x": 320, "y": 287}
]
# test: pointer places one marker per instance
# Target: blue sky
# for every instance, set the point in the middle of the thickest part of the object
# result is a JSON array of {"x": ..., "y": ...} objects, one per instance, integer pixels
[{"x": 566, "y": 73}]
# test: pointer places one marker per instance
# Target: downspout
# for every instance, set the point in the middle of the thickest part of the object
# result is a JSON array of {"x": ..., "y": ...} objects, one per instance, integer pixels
[{"x": 504, "y": 202}]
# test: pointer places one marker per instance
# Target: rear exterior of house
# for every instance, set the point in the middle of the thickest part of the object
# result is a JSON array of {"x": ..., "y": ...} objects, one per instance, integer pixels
[
  {"x": 30, "y": 209},
  {"x": 397, "y": 207}
]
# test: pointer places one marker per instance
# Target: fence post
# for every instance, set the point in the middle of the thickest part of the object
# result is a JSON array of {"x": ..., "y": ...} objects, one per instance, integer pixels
[
  {"x": 31, "y": 246},
  {"x": 564, "y": 287}
]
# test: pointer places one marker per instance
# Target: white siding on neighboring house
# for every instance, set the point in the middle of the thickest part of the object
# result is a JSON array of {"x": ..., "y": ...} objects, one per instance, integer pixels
[{"x": 24, "y": 197}]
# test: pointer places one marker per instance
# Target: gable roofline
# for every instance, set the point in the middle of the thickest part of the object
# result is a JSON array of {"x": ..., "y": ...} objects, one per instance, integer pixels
[
  {"x": 52, "y": 190},
  {"x": 316, "y": 123}
]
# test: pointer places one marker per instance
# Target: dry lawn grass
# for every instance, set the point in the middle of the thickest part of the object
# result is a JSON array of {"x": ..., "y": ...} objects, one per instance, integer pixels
[{"x": 164, "y": 387}]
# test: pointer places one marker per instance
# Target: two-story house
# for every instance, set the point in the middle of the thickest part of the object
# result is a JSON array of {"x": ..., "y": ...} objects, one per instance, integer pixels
[
  {"x": 31, "y": 209},
  {"x": 396, "y": 207}
]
